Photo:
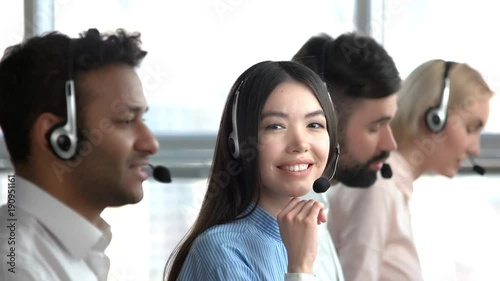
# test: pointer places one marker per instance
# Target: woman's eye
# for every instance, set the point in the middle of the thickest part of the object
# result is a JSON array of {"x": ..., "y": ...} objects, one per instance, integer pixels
[
  {"x": 274, "y": 127},
  {"x": 316, "y": 125}
]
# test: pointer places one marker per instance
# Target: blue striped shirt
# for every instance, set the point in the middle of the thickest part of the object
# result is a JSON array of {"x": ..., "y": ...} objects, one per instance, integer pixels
[{"x": 246, "y": 249}]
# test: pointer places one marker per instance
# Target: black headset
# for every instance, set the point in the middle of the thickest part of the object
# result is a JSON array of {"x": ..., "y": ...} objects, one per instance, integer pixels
[
  {"x": 435, "y": 117},
  {"x": 233, "y": 141},
  {"x": 62, "y": 138}
]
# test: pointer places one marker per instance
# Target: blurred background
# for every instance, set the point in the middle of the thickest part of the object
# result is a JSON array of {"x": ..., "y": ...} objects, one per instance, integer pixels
[{"x": 197, "y": 49}]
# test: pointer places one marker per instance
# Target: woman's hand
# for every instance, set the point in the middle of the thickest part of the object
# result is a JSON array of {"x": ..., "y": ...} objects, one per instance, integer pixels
[{"x": 298, "y": 223}]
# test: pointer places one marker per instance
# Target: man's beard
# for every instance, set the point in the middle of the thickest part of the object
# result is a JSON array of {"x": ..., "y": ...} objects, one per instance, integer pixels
[{"x": 359, "y": 175}]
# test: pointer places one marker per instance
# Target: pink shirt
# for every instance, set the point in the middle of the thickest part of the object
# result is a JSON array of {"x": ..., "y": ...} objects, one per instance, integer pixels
[{"x": 371, "y": 228}]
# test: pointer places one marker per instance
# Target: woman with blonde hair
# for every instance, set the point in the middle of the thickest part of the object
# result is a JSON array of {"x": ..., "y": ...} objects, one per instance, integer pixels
[
  {"x": 434, "y": 137},
  {"x": 442, "y": 108}
]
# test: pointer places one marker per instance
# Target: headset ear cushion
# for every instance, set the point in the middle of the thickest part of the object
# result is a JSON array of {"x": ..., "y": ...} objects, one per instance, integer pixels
[
  {"x": 58, "y": 139},
  {"x": 433, "y": 121},
  {"x": 233, "y": 146},
  {"x": 49, "y": 133},
  {"x": 64, "y": 142}
]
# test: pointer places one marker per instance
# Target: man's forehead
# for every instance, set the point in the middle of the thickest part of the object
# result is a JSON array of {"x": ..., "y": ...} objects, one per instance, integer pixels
[
  {"x": 376, "y": 108},
  {"x": 126, "y": 91},
  {"x": 386, "y": 103}
]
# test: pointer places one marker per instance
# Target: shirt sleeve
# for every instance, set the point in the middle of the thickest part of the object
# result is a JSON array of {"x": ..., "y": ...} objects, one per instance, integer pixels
[
  {"x": 300, "y": 277},
  {"x": 359, "y": 222},
  {"x": 208, "y": 260}
]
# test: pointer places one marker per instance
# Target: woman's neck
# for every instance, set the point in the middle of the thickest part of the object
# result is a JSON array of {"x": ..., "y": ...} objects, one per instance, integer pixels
[
  {"x": 273, "y": 205},
  {"x": 416, "y": 160}
]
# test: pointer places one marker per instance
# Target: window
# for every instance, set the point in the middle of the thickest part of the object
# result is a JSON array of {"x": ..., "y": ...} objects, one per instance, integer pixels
[
  {"x": 11, "y": 24},
  {"x": 197, "y": 49}
]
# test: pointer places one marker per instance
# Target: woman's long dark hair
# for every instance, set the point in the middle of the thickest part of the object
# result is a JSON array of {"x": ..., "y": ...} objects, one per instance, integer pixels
[{"x": 232, "y": 183}]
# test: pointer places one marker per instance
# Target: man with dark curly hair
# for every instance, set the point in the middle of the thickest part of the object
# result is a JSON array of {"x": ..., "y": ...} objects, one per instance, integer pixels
[
  {"x": 363, "y": 81},
  {"x": 71, "y": 111}
]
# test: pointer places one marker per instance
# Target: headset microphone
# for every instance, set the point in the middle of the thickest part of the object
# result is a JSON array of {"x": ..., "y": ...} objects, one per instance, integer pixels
[
  {"x": 478, "y": 169},
  {"x": 161, "y": 173},
  {"x": 322, "y": 184},
  {"x": 386, "y": 171}
]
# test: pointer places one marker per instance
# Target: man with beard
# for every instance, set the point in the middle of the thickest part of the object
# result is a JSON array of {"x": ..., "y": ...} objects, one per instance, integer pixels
[{"x": 363, "y": 80}]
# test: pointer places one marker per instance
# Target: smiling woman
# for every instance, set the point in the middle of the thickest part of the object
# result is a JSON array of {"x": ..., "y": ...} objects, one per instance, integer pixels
[
  {"x": 257, "y": 217},
  {"x": 290, "y": 121}
]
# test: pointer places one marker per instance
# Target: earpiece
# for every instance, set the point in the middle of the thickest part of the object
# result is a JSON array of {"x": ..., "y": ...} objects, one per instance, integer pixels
[
  {"x": 233, "y": 141},
  {"x": 435, "y": 117},
  {"x": 62, "y": 138}
]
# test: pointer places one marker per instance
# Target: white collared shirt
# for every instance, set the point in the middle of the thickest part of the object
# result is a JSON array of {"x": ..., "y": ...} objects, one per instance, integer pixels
[
  {"x": 327, "y": 265},
  {"x": 52, "y": 241}
]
